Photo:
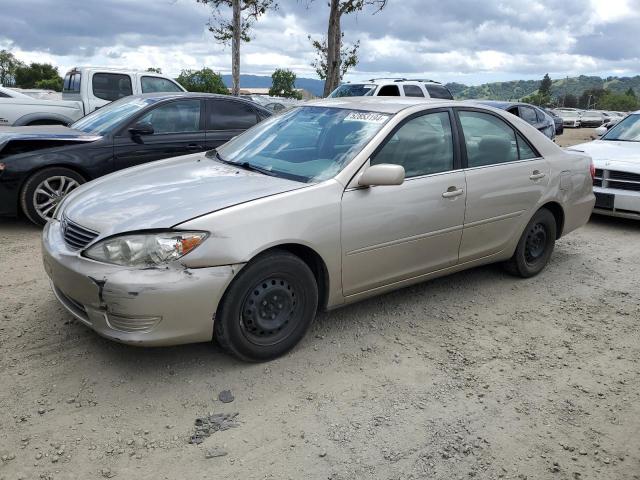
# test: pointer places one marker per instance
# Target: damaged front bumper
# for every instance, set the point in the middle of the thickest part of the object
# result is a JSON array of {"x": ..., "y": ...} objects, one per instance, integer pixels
[{"x": 165, "y": 305}]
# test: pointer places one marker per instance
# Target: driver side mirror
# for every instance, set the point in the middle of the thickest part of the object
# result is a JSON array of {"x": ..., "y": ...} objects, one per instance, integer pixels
[
  {"x": 382, "y": 174},
  {"x": 600, "y": 131},
  {"x": 141, "y": 128}
]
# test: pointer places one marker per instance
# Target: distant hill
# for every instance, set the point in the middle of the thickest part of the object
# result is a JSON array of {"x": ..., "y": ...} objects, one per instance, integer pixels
[
  {"x": 258, "y": 81},
  {"x": 515, "y": 90}
]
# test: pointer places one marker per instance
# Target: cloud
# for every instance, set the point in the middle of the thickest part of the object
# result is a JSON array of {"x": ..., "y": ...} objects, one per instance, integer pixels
[{"x": 442, "y": 40}]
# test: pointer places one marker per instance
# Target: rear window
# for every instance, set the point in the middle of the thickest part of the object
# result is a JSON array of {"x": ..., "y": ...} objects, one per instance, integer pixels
[
  {"x": 111, "y": 86},
  {"x": 157, "y": 84},
  {"x": 438, "y": 91},
  {"x": 71, "y": 82}
]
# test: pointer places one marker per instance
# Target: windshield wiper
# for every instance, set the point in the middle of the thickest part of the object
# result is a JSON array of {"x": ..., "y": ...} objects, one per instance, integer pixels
[{"x": 245, "y": 165}]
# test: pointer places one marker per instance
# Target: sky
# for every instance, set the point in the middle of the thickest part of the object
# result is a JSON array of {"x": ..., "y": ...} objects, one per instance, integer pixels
[{"x": 466, "y": 41}]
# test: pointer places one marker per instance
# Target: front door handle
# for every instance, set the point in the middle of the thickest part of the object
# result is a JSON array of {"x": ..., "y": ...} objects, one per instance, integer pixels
[
  {"x": 194, "y": 146},
  {"x": 453, "y": 192},
  {"x": 537, "y": 175}
]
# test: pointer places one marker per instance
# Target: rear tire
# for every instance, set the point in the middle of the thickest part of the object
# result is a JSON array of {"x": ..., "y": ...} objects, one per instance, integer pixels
[
  {"x": 268, "y": 307},
  {"x": 535, "y": 245},
  {"x": 45, "y": 189}
]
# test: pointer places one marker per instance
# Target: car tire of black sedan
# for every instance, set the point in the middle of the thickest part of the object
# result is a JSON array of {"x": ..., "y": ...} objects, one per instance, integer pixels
[
  {"x": 44, "y": 190},
  {"x": 268, "y": 307},
  {"x": 535, "y": 245}
]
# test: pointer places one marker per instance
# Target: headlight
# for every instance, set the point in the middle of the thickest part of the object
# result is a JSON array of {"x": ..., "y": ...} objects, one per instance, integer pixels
[{"x": 143, "y": 250}]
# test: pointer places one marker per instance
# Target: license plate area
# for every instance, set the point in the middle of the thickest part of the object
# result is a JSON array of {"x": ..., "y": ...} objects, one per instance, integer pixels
[{"x": 605, "y": 200}]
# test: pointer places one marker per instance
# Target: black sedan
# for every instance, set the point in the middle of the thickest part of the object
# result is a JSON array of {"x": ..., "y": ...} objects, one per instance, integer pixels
[
  {"x": 39, "y": 165},
  {"x": 530, "y": 114},
  {"x": 557, "y": 120}
]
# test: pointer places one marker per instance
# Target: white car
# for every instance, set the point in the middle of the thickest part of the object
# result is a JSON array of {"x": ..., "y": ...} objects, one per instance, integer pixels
[
  {"x": 570, "y": 117},
  {"x": 393, "y": 87},
  {"x": 616, "y": 157},
  {"x": 18, "y": 109}
]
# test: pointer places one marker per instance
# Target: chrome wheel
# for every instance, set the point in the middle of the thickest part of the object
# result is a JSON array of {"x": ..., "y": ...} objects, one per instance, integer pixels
[{"x": 50, "y": 192}]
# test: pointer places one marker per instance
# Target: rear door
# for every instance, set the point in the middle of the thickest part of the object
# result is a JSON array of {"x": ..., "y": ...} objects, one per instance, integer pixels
[
  {"x": 226, "y": 118},
  {"x": 394, "y": 233},
  {"x": 506, "y": 179},
  {"x": 178, "y": 130}
]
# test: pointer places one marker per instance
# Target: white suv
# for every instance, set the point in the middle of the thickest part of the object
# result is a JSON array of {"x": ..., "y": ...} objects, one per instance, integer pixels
[{"x": 393, "y": 87}]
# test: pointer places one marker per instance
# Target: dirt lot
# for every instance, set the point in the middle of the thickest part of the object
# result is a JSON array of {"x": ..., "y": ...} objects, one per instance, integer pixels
[{"x": 478, "y": 375}]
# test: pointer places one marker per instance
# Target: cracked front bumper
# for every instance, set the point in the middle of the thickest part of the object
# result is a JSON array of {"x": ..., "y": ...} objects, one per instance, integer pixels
[{"x": 158, "y": 306}]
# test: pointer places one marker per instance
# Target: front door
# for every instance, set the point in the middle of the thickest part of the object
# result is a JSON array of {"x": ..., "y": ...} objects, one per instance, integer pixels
[
  {"x": 394, "y": 233},
  {"x": 176, "y": 131},
  {"x": 506, "y": 179}
]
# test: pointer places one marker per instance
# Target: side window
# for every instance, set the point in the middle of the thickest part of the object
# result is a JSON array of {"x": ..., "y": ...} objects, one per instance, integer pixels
[
  {"x": 412, "y": 91},
  {"x": 488, "y": 139},
  {"x": 389, "y": 91},
  {"x": 524, "y": 150},
  {"x": 4, "y": 95},
  {"x": 528, "y": 114},
  {"x": 157, "y": 84},
  {"x": 438, "y": 91},
  {"x": 175, "y": 117},
  {"x": 423, "y": 145},
  {"x": 111, "y": 86},
  {"x": 230, "y": 115}
]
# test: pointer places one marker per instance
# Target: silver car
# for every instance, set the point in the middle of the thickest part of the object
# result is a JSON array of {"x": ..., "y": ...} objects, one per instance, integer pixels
[{"x": 324, "y": 205}]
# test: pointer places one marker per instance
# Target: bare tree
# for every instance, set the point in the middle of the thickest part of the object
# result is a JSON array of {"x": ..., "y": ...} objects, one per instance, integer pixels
[
  {"x": 235, "y": 29},
  {"x": 338, "y": 60}
]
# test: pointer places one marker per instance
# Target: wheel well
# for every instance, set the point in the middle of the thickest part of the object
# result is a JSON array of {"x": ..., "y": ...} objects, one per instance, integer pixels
[
  {"x": 315, "y": 262},
  {"x": 79, "y": 171},
  {"x": 558, "y": 214}
]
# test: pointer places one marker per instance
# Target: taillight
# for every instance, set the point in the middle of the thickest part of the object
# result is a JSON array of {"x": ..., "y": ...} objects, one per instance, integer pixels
[{"x": 592, "y": 170}]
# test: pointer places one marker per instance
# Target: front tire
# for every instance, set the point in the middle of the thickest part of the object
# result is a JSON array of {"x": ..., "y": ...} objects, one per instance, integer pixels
[
  {"x": 45, "y": 189},
  {"x": 268, "y": 307},
  {"x": 535, "y": 245}
]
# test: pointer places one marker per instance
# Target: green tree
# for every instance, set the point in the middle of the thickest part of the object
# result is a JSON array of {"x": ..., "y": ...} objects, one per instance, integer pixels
[
  {"x": 154, "y": 70},
  {"x": 205, "y": 80},
  {"x": 8, "y": 65},
  {"x": 50, "y": 84},
  {"x": 545, "y": 86},
  {"x": 631, "y": 93},
  {"x": 537, "y": 98},
  {"x": 570, "y": 101},
  {"x": 618, "y": 101},
  {"x": 348, "y": 58},
  {"x": 283, "y": 84},
  {"x": 235, "y": 28},
  {"x": 28, "y": 75}
]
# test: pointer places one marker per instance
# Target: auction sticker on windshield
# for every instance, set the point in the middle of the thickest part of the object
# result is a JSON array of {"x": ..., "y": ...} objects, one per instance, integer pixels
[{"x": 368, "y": 117}]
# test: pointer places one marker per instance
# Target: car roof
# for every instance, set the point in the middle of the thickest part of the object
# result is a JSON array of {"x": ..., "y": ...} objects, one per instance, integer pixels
[
  {"x": 390, "y": 105},
  {"x": 161, "y": 96}
]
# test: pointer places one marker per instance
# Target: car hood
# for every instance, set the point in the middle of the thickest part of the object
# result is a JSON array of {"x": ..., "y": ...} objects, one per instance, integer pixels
[
  {"x": 41, "y": 136},
  {"x": 166, "y": 193},
  {"x": 612, "y": 155}
]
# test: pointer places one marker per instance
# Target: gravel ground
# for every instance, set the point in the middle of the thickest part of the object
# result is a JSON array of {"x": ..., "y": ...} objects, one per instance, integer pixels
[{"x": 477, "y": 375}]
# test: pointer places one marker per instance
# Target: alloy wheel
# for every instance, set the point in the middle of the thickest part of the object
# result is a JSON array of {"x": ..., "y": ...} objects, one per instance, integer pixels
[{"x": 50, "y": 192}]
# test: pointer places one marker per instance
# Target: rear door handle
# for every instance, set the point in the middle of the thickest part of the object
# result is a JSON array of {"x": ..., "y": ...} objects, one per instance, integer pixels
[
  {"x": 453, "y": 192},
  {"x": 537, "y": 175},
  {"x": 194, "y": 146}
]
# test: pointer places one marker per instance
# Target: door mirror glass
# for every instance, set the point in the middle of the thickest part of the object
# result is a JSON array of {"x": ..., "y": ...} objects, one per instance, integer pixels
[
  {"x": 382, "y": 174},
  {"x": 600, "y": 131},
  {"x": 141, "y": 128}
]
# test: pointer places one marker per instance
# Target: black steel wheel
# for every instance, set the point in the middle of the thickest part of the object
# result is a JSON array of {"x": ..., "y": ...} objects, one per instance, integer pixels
[
  {"x": 535, "y": 246},
  {"x": 268, "y": 307}
]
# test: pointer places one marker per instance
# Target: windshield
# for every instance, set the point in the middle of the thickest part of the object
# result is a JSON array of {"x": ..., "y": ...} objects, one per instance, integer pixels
[
  {"x": 105, "y": 119},
  {"x": 353, "y": 90},
  {"x": 627, "y": 130},
  {"x": 307, "y": 144}
]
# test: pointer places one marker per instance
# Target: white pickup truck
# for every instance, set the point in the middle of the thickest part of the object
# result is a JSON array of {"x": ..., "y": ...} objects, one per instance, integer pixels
[{"x": 85, "y": 89}]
